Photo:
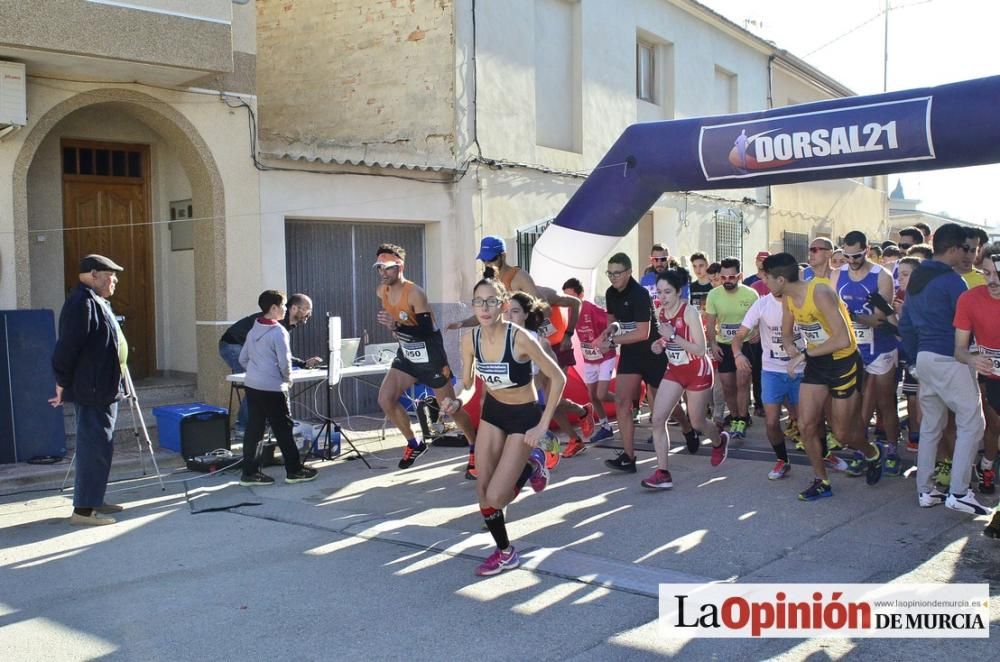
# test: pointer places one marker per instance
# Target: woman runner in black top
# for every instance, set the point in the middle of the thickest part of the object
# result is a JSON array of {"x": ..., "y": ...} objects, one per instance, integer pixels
[{"x": 511, "y": 425}]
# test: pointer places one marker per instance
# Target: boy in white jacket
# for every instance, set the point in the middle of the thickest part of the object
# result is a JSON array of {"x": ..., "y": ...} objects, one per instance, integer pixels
[{"x": 267, "y": 358}]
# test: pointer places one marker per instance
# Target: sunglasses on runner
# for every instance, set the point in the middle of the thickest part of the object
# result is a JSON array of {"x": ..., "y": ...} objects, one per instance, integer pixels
[
  {"x": 966, "y": 247},
  {"x": 855, "y": 256},
  {"x": 817, "y": 249},
  {"x": 658, "y": 259},
  {"x": 736, "y": 277},
  {"x": 905, "y": 247}
]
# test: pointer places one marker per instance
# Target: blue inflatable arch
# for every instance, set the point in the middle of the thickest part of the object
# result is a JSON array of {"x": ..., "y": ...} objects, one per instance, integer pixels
[{"x": 948, "y": 126}]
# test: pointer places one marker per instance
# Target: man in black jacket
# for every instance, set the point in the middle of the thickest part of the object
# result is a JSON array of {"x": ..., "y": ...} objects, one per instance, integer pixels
[{"x": 89, "y": 364}]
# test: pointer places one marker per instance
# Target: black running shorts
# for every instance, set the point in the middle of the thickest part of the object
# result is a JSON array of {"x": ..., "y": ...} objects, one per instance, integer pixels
[
  {"x": 512, "y": 419},
  {"x": 728, "y": 362},
  {"x": 425, "y": 360},
  {"x": 643, "y": 362},
  {"x": 841, "y": 376}
]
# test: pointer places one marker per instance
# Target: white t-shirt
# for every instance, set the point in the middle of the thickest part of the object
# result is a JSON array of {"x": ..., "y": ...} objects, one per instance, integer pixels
[{"x": 766, "y": 311}]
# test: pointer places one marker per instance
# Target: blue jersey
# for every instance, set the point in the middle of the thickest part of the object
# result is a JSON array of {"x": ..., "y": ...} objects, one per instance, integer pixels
[{"x": 871, "y": 342}]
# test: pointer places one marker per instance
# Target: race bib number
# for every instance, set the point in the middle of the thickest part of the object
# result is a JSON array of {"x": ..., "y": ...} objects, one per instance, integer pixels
[
  {"x": 865, "y": 335},
  {"x": 777, "y": 349},
  {"x": 994, "y": 356},
  {"x": 729, "y": 331},
  {"x": 415, "y": 352},
  {"x": 814, "y": 334},
  {"x": 546, "y": 329},
  {"x": 676, "y": 355},
  {"x": 625, "y": 327},
  {"x": 590, "y": 352},
  {"x": 496, "y": 376}
]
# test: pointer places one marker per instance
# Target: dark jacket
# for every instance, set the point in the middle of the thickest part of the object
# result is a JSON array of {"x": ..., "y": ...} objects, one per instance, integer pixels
[
  {"x": 237, "y": 333},
  {"x": 931, "y": 297},
  {"x": 85, "y": 361}
]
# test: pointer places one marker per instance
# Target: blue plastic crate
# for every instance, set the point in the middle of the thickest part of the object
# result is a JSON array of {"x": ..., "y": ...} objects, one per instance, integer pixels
[{"x": 170, "y": 417}]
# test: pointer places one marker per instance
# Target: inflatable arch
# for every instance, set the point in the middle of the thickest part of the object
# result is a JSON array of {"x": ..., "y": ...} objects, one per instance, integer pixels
[{"x": 948, "y": 126}]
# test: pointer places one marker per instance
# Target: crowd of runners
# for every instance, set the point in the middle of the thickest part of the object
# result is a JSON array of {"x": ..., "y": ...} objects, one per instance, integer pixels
[{"x": 888, "y": 352}]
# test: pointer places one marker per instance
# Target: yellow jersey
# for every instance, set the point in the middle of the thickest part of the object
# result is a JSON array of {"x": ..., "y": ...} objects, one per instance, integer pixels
[{"x": 815, "y": 328}]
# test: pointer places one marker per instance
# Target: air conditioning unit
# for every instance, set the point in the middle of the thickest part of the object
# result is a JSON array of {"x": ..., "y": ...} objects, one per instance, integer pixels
[{"x": 13, "y": 99}]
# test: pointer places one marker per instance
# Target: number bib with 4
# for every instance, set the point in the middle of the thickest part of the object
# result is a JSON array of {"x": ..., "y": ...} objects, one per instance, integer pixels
[
  {"x": 496, "y": 376},
  {"x": 676, "y": 355},
  {"x": 590, "y": 352}
]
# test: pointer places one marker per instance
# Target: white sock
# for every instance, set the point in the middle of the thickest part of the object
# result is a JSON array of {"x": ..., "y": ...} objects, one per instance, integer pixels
[
  {"x": 985, "y": 464},
  {"x": 603, "y": 422}
]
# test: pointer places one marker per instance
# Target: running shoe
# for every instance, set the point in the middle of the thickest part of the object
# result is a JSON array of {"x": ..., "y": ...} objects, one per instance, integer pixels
[
  {"x": 832, "y": 443},
  {"x": 792, "y": 430},
  {"x": 913, "y": 442},
  {"x": 410, "y": 455},
  {"x": 574, "y": 447},
  {"x": 692, "y": 441},
  {"x": 258, "y": 479},
  {"x": 873, "y": 470},
  {"x": 780, "y": 470},
  {"x": 987, "y": 480},
  {"x": 942, "y": 473},
  {"x": 470, "y": 468},
  {"x": 931, "y": 499},
  {"x": 603, "y": 432},
  {"x": 992, "y": 530},
  {"x": 835, "y": 463},
  {"x": 551, "y": 460},
  {"x": 540, "y": 476},
  {"x": 721, "y": 452},
  {"x": 499, "y": 561},
  {"x": 622, "y": 462},
  {"x": 856, "y": 465},
  {"x": 817, "y": 490},
  {"x": 737, "y": 429},
  {"x": 658, "y": 480},
  {"x": 800, "y": 445},
  {"x": 587, "y": 421},
  {"x": 966, "y": 504},
  {"x": 893, "y": 466},
  {"x": 303, "y": 475},
  {"x": 552, "y": 448}
]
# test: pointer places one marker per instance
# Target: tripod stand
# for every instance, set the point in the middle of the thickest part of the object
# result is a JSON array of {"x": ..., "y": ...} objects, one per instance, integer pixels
[
  {"x": 330, "y": 425},
  {"x": 137, "y": 422}
]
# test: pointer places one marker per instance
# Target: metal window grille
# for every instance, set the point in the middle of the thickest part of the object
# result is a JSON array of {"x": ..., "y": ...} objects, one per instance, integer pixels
[
  {"x": 797, "y": 244},
  {"x": 728, "y": 233},
  {"x": 526, "y": 240}
]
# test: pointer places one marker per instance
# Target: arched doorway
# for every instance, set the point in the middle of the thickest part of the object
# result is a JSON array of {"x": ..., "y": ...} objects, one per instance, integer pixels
[{"x": 98, "y": 173}]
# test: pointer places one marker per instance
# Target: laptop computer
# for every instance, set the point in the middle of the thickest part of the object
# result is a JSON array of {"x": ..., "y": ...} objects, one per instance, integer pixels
[{"x": 348, "y": 351}]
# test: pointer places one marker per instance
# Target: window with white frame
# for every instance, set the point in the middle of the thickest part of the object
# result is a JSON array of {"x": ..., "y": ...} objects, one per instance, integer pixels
[{"x": 645, "y": 71}]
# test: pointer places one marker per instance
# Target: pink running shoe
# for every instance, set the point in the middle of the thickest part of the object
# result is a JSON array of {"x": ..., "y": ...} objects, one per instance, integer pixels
[
  {"x": 540, "y": 478},
  {"x": 497, "y": 562},
  {"x": 721, "y": 452}
]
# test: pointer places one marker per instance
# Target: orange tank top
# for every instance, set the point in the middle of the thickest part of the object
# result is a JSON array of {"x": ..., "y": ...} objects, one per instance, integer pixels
[
  {"x": 401, "y": 311},
  {"x": 508, "y": 280}
]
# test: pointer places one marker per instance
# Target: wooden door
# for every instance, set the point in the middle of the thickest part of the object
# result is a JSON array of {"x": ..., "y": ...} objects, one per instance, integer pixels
[{"x": 106, "y": 211}]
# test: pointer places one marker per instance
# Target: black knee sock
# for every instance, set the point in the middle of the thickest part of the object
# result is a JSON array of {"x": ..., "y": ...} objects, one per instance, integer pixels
[
  {"x": 497, "y": 527},
  {"x": 529, "y": 469},
  {"x": 824, "y": 450},
  {"x": 781, "y": 451}
]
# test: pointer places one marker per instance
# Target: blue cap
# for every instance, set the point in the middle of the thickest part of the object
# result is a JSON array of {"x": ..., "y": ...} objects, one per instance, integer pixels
[{"x": 491, "y": 247}]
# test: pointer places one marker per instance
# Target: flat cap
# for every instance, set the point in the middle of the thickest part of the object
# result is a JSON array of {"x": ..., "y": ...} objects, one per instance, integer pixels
[{"x": 95, "y": 262}]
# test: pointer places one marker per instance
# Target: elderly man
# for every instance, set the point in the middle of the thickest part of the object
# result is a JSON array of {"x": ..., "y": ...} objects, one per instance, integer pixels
[{"x": 89, "y": 364}]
